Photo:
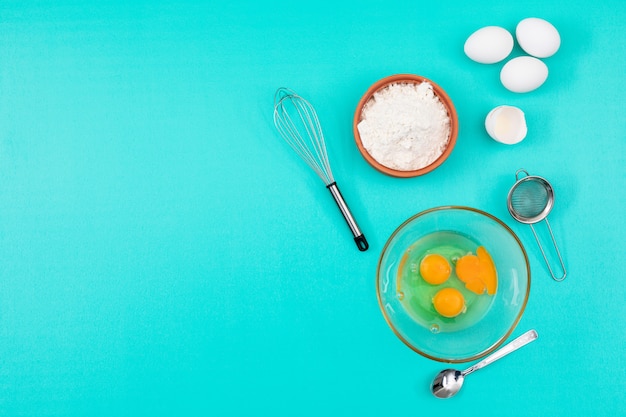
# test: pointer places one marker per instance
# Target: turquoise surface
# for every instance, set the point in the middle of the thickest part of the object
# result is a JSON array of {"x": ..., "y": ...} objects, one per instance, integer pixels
[{"x": 163, "y": 252}]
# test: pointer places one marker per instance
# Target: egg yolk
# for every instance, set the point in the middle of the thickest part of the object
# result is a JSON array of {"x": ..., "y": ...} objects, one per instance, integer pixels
[
  {"x": 489, "y": 274},
  {"x": 435, "y": 269},
  {"x": 449, "y": 302},
  {"x": 478, "y": 272}
]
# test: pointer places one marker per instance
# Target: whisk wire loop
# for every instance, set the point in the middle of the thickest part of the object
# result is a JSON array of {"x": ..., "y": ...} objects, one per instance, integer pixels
[{"x": 293, "y": 116}]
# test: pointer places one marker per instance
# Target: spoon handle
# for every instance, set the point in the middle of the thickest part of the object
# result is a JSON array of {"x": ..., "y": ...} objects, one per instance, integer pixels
[{"x": 523, "y": 340}]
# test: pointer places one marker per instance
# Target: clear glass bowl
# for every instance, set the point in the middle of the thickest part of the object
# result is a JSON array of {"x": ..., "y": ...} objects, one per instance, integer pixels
[{"x": 481, "y": 336}]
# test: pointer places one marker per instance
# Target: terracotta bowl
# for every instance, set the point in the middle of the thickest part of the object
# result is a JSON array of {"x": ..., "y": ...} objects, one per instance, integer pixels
[{"x": 407, "y": 78}]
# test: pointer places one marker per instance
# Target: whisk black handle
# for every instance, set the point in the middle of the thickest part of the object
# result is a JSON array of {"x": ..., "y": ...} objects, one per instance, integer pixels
[{"x": 359, "y": 238}]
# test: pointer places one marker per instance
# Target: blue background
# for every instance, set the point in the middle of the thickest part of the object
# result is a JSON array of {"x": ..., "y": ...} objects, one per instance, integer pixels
[{"x": 163, "y": 252}]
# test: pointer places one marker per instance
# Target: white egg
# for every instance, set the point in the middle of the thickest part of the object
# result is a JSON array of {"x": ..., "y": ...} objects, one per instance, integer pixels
[
  {"x": 538, "y": 37},
  {"x": 523, "y": 74},
  {"x": 489, "y": 45},
  {"x": 506, "y": 124}
]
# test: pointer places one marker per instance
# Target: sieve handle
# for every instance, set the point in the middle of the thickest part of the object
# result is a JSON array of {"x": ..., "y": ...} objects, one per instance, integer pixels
[
  {"x": 359, "y": 238},
  {"x": 545, "y": 258}
]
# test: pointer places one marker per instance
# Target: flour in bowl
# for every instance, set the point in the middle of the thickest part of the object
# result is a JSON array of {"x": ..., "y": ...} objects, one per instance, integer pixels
[{"x": 405, "y": 126}]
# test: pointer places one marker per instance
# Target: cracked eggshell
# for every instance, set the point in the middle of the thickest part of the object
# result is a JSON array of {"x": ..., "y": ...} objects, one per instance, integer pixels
[
  {"x": 506, "y": 124},
  {"x": 489, "y": 45},
  {"x": 538, "y": 37},
  {"x": 523, "y": 74}
]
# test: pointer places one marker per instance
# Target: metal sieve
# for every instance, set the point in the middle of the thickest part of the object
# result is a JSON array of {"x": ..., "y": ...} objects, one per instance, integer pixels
[{"x": 530, "y": 200}]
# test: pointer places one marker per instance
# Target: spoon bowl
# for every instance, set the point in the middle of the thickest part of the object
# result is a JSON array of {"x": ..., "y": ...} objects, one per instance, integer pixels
[{"x": 449, "y": 381}]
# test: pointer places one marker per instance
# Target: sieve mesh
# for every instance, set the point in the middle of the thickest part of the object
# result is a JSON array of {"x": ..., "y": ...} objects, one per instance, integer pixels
[{"x": 529, "y": 198}]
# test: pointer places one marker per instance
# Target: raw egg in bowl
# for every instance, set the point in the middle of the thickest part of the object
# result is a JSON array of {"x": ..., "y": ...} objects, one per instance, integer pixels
[{"x": 453, "y": 282}]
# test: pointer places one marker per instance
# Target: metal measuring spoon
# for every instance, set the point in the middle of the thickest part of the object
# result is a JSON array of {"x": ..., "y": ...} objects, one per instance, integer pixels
[{"x": 449, "y": 381}]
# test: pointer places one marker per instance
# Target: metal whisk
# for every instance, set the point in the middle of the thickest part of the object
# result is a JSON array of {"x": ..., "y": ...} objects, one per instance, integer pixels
[{"x": 297, "y": 122}]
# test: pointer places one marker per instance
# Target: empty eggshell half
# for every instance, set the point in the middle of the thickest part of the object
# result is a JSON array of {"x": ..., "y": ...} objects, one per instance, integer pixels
[
  {"x": 523, "y": 74},
  {"x": 489, "y": 45},
  {"x": 538, "y": 37},
  {"x": 506, "y": 124}
]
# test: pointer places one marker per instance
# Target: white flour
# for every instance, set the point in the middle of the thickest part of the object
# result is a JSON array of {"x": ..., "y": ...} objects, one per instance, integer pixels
[{"x": 405, "y": 126}]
